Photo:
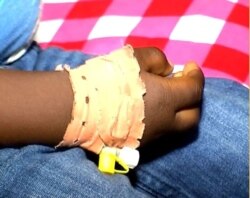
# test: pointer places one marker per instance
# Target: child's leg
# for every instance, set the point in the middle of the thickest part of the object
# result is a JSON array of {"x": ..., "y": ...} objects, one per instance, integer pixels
[
  {"x": 211, "y": 162},
  {"x": 37, "y": 59},
  {"x": 18, "y": 21}
]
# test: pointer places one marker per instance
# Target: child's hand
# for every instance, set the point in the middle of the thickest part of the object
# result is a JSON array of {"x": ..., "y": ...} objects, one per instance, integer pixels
[{"x": 171, "y": 103}]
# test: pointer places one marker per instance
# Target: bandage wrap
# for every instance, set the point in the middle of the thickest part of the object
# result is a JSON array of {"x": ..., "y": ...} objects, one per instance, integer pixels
[{"x": 108, "y": 108}]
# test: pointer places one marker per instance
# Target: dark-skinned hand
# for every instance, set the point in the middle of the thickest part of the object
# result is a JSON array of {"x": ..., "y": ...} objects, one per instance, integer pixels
[{"x": 172, "y": 104}]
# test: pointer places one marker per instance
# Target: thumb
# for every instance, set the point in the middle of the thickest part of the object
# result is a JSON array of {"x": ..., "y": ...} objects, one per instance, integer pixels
[{"x": 187, "y": 88}]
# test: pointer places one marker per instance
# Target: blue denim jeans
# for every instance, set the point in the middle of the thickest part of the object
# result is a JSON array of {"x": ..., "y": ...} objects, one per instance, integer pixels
[
  {"x": 210, "y": 161},
  {"x": 17, "y": 24}
]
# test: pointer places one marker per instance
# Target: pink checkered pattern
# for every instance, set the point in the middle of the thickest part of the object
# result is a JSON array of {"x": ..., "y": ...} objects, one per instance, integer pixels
[{"x": 213, "y": 33}]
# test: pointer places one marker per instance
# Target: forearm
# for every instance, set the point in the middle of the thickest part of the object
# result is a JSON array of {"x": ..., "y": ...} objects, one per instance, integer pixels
[{"x": 35, "y": 107}]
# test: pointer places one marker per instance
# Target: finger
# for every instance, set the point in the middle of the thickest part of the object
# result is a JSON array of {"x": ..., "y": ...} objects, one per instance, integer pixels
[
  {"x": 178, "y": 74},
  {"x": 153, "y": 60},
  {"x": 186, "y": 119},
  {"x": 187, "y": 89}
]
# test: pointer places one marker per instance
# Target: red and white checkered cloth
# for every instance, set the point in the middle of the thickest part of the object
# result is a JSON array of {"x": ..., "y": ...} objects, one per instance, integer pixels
[{"x": 213, "y": 33}]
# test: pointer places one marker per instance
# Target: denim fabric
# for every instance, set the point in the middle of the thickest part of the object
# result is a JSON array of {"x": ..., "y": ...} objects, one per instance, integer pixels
[
  {"x": 213, "y": 161},
  {"x": 17, "y": 23},
  {"x": 210, "y": 161},
  {"x": 41, "y": 60}
]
